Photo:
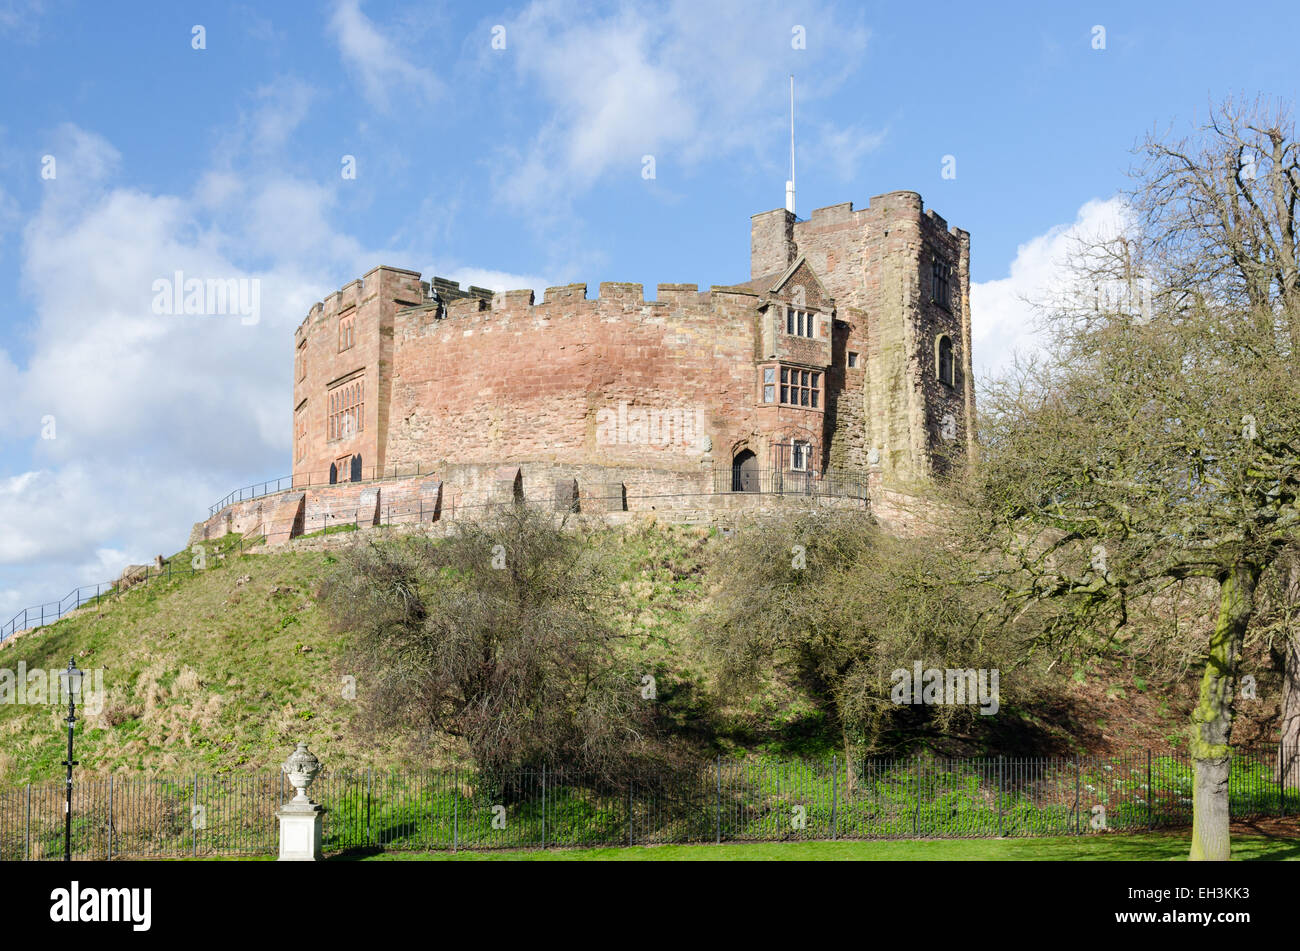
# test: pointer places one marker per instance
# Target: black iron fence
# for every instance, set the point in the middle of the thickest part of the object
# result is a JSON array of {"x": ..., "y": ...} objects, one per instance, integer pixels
[
  {"x": 208, "y": 816},
  {"x": 842, "y": 484}
]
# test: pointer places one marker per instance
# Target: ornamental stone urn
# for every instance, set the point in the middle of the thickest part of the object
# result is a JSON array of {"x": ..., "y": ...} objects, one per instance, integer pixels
[{"x": 300, "y": 818}]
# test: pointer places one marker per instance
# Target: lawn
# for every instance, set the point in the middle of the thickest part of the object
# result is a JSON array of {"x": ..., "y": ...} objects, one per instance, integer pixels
[{"x": 1157, "y": 847}]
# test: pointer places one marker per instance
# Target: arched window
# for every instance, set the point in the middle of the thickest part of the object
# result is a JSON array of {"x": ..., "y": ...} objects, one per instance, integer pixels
[
  {"x": 945, "y": 363},
  {"x": 347, "y": 410}
]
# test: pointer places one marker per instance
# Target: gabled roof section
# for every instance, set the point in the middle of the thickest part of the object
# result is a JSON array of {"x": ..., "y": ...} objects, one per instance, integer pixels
[{"x": 789, "y": 272}]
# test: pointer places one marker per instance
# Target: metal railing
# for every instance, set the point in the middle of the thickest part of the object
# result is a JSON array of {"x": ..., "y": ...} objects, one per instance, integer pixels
[
  {"x": 41, "y": 614},
  {"x": 716, "y": 801},
  {"x": 312, "y": 479},
  {"x": 842, "y": 484}
]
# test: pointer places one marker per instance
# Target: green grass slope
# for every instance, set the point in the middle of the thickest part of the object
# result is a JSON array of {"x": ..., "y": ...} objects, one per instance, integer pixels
[{"x": 226, "y": 668}]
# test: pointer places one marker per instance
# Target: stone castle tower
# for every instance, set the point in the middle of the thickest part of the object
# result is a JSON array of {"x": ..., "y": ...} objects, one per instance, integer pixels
[{"x": 847, "y": 350}]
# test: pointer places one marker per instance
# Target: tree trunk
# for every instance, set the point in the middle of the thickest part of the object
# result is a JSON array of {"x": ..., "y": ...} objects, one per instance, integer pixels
[
  {"x": 1289, "y": 745},
  {"x": 1212, "y": 718}
]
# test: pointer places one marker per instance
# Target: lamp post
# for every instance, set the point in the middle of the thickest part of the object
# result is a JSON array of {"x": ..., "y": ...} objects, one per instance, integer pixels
[{"x": 73, "y": 679}]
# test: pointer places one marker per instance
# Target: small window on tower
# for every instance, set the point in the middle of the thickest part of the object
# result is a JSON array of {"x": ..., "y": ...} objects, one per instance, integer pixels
[
  {"x": 853, "y": 359},
  {"x": 945, "y": 361},
  {"x": 940, "y": 275},
  {"x": 769, "y": 384}
]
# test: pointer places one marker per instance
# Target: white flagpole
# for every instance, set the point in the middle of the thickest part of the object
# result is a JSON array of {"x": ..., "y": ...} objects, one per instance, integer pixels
[{"x": 789, "y": 186}]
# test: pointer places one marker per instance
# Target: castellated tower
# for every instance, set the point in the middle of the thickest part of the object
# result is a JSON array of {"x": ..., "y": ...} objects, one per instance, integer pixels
[
  {"x": 847, "y": 351},
  {"x": 901, "y": 283}
]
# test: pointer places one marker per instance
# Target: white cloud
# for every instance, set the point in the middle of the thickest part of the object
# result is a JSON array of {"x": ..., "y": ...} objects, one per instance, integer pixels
[
  {"x": 686, "y": 83},
  {"x": 493, "y": 280},
  {"x": 377, "y": 61},
  {"x": 282, "y": 107},
  {"x": 156, "y": 416},
  {"x": 1003, "y": 320},
  {"x": 839, "y": 151}
]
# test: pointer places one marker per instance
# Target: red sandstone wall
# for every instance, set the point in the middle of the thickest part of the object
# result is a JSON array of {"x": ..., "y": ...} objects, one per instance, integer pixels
[
  {"x": 370, "y": 303},
  {"x": 521, "y": 382}
]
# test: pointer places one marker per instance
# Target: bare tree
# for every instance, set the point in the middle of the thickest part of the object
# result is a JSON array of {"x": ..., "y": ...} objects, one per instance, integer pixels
[
  {"x": 501, "y": 635},
  {"x": 1159, "y": 442}
]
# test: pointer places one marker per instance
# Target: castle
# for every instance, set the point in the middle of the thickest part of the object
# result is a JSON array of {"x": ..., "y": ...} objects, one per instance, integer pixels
[
  {"x": 841, "y": 369},
  {"x": 849, "y": 348}
]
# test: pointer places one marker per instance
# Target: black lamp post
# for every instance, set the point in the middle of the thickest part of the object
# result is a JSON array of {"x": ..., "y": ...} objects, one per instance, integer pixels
[{"x": 73, "y": 676}]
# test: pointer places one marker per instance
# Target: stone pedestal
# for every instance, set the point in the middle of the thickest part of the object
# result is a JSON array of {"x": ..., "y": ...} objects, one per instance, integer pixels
[
  {"x": 300, "y": 830},
  {"x": 300, "y": 818}
]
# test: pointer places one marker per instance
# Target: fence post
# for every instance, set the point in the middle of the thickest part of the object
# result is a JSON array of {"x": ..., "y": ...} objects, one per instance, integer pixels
[
  {"x": 194, "y": 829},
  {"x": 999, "y": 795},
  {"x": 1283, "y": 771},
  {"x": 543, "y": 805},
  {"x": 110, "y": 817},
  {"x": 835, "y": 780},
  {"x": 916, "y": 814},
  {"x": 1078, "y": 802},
  {"x": 718, "y": 809},
  {"x": 455, "y": 811},
  {"x": 27, "y": 835},
  {"x": 629, "y": 813},
  {"x": 1150, "y": 789},
  {"x": 370, "y": 782}
]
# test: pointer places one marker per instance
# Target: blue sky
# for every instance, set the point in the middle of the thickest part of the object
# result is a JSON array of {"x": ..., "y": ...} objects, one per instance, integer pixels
[{"x": 514, "y": 167}]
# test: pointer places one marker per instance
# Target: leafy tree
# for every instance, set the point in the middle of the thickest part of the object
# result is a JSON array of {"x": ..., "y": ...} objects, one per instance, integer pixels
[
  {"x": 834, "y": 604},
  {"x": 1158, "y": 442}
]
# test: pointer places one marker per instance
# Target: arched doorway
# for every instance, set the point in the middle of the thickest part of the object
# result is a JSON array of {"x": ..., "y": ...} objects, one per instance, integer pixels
[
  {"x": 744, "y": 472},
  {"x": 356, "y": 468},
  {"x": 334, "y": 473}
]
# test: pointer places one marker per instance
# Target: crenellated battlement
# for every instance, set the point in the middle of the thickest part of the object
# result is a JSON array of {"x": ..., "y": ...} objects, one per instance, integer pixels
[{"x": 625, "y": 300}]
